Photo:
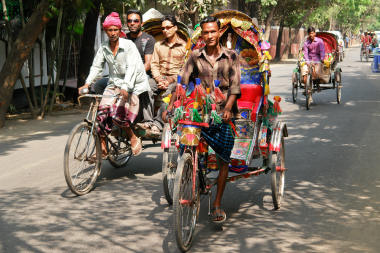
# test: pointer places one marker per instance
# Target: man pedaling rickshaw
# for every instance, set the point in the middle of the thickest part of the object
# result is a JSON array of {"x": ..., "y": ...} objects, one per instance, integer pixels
[
  {"x": 314, "y": 54},
  {"x": 127, "y": 78},
  {"x": 215, "y": 62}
]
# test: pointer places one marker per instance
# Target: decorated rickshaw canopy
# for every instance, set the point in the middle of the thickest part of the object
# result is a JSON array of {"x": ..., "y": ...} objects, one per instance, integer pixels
[
  {"x": 330, "y": 41},
  {"x": 239, "y": 33},
  {"x": 243, "y": 33},
  {"x": 153, "y": 27}
]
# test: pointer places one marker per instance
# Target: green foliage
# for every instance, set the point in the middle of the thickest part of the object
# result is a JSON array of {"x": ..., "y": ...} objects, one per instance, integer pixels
[
  {"x": 188, "y": 8},
  {"x": 345, "y": 15}
]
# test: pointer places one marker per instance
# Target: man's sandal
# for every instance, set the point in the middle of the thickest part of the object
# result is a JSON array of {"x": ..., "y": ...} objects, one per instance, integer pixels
[
  {"x": 137, "y": 148},
  {"x": 218, "y": 215}
]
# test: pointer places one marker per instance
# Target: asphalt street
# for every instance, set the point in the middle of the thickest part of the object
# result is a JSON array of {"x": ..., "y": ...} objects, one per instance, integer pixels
[{"x": 332, "y": 191}]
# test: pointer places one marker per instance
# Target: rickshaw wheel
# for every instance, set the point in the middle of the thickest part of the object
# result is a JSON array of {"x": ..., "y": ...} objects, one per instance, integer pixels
[
  {"x": 169, "y": 167},
  {"x": 277, "y": 165},
  {"x": 185, "y": 204},
  {"x": 308, "y": 92},
  {"x": 366, "y": 54},
  {"x": 338, "y": 88},
  {"x": 295, "y": 87},
  {"x": 361, "y": 54}
]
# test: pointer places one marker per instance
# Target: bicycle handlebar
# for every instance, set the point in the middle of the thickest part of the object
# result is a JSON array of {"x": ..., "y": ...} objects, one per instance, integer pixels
[{"x": 96, "y": 96}]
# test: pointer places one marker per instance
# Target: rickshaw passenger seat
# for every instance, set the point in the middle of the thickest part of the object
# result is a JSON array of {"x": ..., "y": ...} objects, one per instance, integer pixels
[{"x": 251, "y": 95}]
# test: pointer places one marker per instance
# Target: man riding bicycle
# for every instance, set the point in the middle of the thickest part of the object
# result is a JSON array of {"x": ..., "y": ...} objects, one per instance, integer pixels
[
  {"x": 127, "y": 79},
  {"x": 313, "y": 53}
]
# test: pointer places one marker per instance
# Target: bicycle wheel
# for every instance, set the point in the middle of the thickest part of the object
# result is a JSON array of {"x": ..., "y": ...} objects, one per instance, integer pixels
[
  {"x": 361, "y": 55},
  {"x": 294, "y": 87},
  {"x": 338, "y": 89},
  {"x": 277, "y": 165},
  {"x": 82, "y": 159},
  {"x": 169, "y": 167},
  {"x": 308, "y": 92},
  {"x": 186, "y": 203},
  {"x": 120, "y": 152}
]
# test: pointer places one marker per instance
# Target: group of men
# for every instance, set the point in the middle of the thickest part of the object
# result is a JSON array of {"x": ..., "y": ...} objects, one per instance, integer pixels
[
  {"x": 141, "y": 69},
  {"x": 369, "y": 39},
  {"x": 162, "y": 63}
]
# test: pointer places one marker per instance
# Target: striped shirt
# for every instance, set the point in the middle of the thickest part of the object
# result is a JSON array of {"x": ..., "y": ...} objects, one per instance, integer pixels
[{"x": 226, "y": 69}]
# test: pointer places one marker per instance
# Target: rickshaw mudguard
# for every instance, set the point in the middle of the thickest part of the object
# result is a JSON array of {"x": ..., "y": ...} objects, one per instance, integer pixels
[{"x": 279, "y": 131}]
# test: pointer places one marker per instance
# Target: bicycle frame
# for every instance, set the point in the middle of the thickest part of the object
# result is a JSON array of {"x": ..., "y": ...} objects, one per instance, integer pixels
[{"x": 91, "y": 117}]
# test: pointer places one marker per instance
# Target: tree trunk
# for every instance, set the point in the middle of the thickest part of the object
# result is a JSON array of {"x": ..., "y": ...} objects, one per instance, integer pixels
[
  {"x": 19, "y": 53},
  {"x": 279, "y": 41},
  {"x": 268, "y": 23},
  {"x": 87, "y": 45}
]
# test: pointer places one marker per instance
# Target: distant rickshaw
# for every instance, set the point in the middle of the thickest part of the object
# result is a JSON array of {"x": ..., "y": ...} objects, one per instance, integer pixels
[{"x": 330, "y": 77}]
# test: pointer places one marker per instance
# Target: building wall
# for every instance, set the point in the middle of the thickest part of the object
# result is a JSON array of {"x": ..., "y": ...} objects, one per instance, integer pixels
[{"x": 289, "y": 49}]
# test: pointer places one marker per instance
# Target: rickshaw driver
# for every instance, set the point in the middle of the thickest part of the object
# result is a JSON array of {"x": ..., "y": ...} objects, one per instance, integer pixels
[
  {"x": 313, "y": 53},
  {"x": 207, "y": 63}
]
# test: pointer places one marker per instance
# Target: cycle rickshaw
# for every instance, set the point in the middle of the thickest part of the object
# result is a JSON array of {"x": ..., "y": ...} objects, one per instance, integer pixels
[
  {"x": 365, "y": 52},
  {"x": 259, "y": 134},
  {"x": 330, "y": 77}
]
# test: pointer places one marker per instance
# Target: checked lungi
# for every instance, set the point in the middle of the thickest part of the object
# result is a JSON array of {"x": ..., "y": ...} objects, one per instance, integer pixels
[
  {"x": 220, "y": 138},
  {"x": 117, "y": 110}
]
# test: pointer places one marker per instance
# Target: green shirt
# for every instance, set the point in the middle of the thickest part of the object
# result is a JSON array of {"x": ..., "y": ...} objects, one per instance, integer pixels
[{"x": 126, "y": 69}]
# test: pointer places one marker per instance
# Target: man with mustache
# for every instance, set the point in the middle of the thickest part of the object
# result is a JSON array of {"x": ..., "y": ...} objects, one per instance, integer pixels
[
  {"x": 207, "y": 63},
  {"x": 127, "y": 78}
]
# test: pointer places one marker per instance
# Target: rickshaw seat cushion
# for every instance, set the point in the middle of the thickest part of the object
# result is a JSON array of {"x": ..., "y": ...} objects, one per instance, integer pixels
[
  {"x": 251, "y": 95},
  {"x": 250, "y": 92}
]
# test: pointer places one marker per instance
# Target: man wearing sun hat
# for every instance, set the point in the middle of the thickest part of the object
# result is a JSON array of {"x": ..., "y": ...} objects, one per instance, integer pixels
[{"x": 127, "y": 77}]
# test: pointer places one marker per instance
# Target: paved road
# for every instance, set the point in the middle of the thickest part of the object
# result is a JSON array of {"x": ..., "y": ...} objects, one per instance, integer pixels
[{"x": 332, "y": 187}]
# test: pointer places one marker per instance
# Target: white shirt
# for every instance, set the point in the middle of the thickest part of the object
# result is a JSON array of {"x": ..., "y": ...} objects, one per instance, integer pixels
[{"x": 126, "y": 69}]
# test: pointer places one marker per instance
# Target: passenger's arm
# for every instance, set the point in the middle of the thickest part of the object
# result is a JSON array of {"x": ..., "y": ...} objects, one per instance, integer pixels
[
  {"x": 147, "y": 59},
  {"x": 148, "y": 52},
  {"x": 155, "y": 63}
]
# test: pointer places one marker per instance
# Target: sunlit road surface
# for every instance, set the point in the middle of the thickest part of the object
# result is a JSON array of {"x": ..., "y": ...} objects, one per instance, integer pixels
[{"x": 332, "y": 201}]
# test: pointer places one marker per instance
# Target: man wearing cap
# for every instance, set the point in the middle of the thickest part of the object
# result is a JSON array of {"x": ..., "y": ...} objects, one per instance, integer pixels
[{"x": 127, "y": 77}]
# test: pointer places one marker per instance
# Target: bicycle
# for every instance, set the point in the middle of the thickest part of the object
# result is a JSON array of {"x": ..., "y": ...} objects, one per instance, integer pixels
[{"x": 83, "y": 153}]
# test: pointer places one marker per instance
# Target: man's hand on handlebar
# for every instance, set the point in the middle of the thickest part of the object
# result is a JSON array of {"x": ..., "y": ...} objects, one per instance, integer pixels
[
  {"x": 82, "y": 90},
  {"x": 166, "y": 114},
  {"x": 124, "y": 94}
]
